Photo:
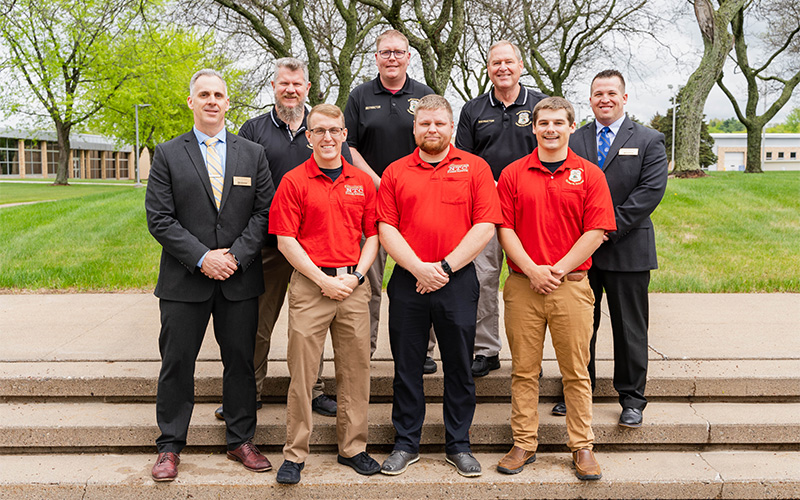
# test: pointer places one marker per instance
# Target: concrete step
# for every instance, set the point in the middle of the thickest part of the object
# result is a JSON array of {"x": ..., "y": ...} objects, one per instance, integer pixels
[
  {"x": 723, "y": 379},
  {"x": 656, "y": 474},
  {"x": 119, "y": 426}
]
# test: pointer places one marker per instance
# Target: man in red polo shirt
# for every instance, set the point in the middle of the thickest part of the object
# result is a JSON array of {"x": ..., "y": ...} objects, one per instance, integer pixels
[
  {"x": 437, "y": 208},
  {"x": 319, "y": 214},
  {"x": 556, "y": 208}
]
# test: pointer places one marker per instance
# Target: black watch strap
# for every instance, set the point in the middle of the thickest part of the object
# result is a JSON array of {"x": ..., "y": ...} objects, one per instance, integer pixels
[
  {"x": 446, "y": 267},
  {"x": 359, "y": 276}
]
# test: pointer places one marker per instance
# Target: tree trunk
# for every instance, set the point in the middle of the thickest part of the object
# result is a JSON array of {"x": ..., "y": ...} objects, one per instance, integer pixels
[
  {"x": 694, "y": 95},
  {"x": 62, "y": 172},
  {"x": 753, "y": 161}
]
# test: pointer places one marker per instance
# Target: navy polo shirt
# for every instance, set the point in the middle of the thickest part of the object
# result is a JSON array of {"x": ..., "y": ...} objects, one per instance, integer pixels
[
  {"x": 284, "y": 150},
  {"x": 380, "y": 124},
  {"x": 496, "y": 133}
]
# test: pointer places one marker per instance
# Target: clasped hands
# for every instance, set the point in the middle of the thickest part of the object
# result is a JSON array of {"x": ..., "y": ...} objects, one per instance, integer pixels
[
  {"x": 430, "y": 277},
  {"x": 219, "y": 264},
  {"x": 338, "y": 287},
  {"x": 545, "y": 279}
]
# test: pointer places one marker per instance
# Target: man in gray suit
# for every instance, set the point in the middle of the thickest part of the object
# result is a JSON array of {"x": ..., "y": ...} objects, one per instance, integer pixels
[
  {"x": 207, "y": 204},
  {"x": 634, "y": 160}
]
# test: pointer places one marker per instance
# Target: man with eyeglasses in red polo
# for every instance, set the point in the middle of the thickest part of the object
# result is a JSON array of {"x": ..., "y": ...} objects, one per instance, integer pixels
[
  {"x": 319, "y": 214},
  {"x": 379, "y": 117}
]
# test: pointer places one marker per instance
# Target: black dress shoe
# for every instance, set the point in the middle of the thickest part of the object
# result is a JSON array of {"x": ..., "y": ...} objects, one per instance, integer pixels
[
  {"x": 429, "y": 366},
  {"x": 482, "y": 365},
  {"x": 218, "y": 412},
  {"x": 324, "y": 405},
  {"x": 560, "y": 409},
  {"x": 631, "y": 417}
]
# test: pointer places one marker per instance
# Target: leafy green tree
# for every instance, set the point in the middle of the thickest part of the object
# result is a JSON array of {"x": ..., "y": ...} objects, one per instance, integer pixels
[
  {"x": 663, "y": 123},
  {"x": 67, "y": 59},
  {"x": 790, "y": 126},
  {"x": 726, "y": 126}
]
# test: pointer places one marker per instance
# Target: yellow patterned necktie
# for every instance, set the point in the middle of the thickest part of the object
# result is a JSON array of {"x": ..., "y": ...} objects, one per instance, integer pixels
[{"x": 214, "y": 166}]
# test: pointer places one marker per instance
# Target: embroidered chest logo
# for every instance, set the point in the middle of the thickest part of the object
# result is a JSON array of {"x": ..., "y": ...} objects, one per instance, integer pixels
[
  {"x": 412, "y": 105},
  {"x": 353, "y": 190},
  {"x": 367, "y": 108},
  {"x": 575, "y": 177},
  {"x": 454, "y": 169},
  {"x": 523, "y": 118}
]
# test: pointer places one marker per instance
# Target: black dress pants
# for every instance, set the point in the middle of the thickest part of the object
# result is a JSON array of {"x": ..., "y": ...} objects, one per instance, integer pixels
[
  {"x": 183, "y": 326},
  {"x": 452, "y": 310},
  {"x": 626, "y": 294}
]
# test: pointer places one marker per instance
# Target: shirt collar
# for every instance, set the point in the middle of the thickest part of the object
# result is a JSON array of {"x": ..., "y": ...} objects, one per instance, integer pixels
[
  {"x": 201, "y": 137},
  {"x": 452, "y": 155},
  {"x": 522, "y": 97},
  {"x": 379, "y": 88},
  {"x": 535, "y": 164},
  {"x": 614, "y": 126},
  {"x": 313, "y": 170}
]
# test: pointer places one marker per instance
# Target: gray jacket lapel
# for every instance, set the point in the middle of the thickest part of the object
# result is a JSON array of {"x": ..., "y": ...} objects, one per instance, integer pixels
[
  {"x": 231, "y": 160},
  {"x": 625, "y": 133},
  {"x": 193, "y": 150}
]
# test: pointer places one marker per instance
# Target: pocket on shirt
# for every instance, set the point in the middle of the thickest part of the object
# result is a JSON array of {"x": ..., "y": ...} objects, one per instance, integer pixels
[{"x": 455, "y": 191}]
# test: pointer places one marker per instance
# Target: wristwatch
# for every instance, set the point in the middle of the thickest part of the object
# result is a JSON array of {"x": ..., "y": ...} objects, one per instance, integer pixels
[
  {"x": 359, "y": 276},
  {"x": 446, "y": 267}
]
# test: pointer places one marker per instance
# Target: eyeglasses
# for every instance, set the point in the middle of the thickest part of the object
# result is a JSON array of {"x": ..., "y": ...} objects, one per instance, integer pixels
[
  {"x": 320, "y": 132},
  {"x": 386, "y": 54}
]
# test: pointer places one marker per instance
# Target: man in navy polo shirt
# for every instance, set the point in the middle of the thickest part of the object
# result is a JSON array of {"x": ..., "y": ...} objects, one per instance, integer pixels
[
  {"x": 282, "y": 134},
  {"x": 380, "y": 118},
  {"x": 497, "y": 127}
]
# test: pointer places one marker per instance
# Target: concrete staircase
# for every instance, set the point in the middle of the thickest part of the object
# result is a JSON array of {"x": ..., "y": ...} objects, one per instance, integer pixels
[{"x": 77, "y": 387}]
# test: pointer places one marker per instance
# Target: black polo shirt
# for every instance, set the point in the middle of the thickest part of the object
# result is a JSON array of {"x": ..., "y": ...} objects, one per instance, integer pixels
[
  {"x": 380, "y": 124},
  {"x": 284, "y": 150},
  {"x": 496, "y": 133}
]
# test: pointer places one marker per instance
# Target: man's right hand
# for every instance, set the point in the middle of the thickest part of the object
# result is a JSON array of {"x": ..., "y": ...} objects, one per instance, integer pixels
[
  {"x": 430, "y": 277},
  {"x": 335, "y": 288},
  {"x": 543, "y": 279},
  {"x": 219, "y": 264}
]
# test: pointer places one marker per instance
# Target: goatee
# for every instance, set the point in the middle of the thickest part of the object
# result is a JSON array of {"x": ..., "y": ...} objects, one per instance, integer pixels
[{"x": 289, "y": 115}]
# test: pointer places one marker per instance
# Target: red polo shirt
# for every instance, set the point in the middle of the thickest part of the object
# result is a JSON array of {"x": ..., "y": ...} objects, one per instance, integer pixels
[
  {"x": 327, "y": 218},
  {"x": 433, "y": 208},
  {"x": 550, "y": 211}
]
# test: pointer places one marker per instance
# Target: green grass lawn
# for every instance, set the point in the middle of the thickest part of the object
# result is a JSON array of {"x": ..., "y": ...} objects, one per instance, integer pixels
[
  {"x": 11, "y": 192},
  {"x": 729, "y": 232}
]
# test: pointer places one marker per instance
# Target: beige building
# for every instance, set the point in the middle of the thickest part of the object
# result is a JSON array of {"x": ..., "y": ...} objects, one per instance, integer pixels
[
  {"x": 34, "y": 154},
  {"x": 778, "y": 152}
]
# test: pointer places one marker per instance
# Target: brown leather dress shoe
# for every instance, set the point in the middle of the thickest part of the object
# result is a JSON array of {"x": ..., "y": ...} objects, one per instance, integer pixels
[
  {"x": 515, "y": 460},
  {"x": 251, "y": 458},
  {"x": 586, "y": 466},
  {"x": 166, "y": 466}
]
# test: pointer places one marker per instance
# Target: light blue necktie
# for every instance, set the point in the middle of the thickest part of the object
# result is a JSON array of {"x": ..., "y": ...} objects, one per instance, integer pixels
[{"x": 605, "y": 145}]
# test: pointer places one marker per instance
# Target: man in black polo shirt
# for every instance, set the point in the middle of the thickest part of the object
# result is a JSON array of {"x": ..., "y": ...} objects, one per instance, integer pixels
[
  {"x": 282, "y": 134},
  {"x": 497, "y": 127},
  {"x": 379, "y": 117}
]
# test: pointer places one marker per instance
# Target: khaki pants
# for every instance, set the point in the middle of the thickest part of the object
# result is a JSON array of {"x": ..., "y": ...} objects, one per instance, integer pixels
[
  {"x": 310, "y": 316},
  {"x": 277, "y": 272},
  {"x": 568, "y": 312}
]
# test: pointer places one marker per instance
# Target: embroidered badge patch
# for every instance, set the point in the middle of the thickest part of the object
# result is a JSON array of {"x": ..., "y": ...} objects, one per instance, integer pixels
[
  {"x": 523, "y": 118},
  {"x": 575, "y": 177},
  {"x": 353, "y": 190},
  {"x": 412, "y": 105},
  {"x": 454, "y": 169}
]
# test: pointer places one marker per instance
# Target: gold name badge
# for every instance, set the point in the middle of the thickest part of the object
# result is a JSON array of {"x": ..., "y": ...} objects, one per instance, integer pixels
[
  {"x": 241, "y": 181},
  {"x": 629, "y": 152}
]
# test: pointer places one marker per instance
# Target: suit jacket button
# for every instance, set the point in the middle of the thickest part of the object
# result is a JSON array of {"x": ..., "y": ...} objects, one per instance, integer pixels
[{"x": 219, "y": 226}]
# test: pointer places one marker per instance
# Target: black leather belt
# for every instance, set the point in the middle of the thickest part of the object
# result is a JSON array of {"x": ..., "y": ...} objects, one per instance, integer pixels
[{"x": 338, "y": 271}]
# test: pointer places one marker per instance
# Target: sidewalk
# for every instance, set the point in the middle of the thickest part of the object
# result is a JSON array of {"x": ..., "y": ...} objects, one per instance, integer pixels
[{"x": 91, "y": 327}]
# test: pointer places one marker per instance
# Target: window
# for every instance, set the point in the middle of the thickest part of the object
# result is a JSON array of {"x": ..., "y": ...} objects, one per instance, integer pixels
[
  {"x": 111, "y": 171},
  {"x": 123, "y": 166},
  {"x": 52, "y": 158},
  {"x": 793, "y": 155},
  {"x": 769, "y": 155},
  {"x": 76, "y": 164},
  {"x": 93, "y": 157},
  {"x": 9, "y": 156},
  {"x": 33, "y": 157},
  {"x": 780, "y": 155}
]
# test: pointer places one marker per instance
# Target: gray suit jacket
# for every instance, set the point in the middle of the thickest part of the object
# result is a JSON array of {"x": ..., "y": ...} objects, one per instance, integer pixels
[
  {"x": 182, "y": 217},
  {"x": 637, "y": 181}
]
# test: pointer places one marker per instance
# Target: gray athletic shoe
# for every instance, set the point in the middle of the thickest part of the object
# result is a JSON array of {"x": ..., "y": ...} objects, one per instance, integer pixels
[
  {"x": 465, "y": 464},
  {"x": 398, "y": 462}
]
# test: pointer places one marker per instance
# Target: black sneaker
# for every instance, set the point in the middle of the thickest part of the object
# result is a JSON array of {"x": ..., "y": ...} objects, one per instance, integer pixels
[
  {"x": 324, "y": 405},
  {"x": 560, "y": 409},
  {"x": 221, "y": 416},
  {"x": 482, "y": 365},
  {"x": 429, "y": 366},
  {"x": 361, "y": 463},
  {"x": 289, "y": 473}
]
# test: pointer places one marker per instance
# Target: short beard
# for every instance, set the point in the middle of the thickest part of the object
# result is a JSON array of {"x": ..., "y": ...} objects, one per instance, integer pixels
[
  {"x": 289, "y": 115},
  {"x": 434, "y": 148}
]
